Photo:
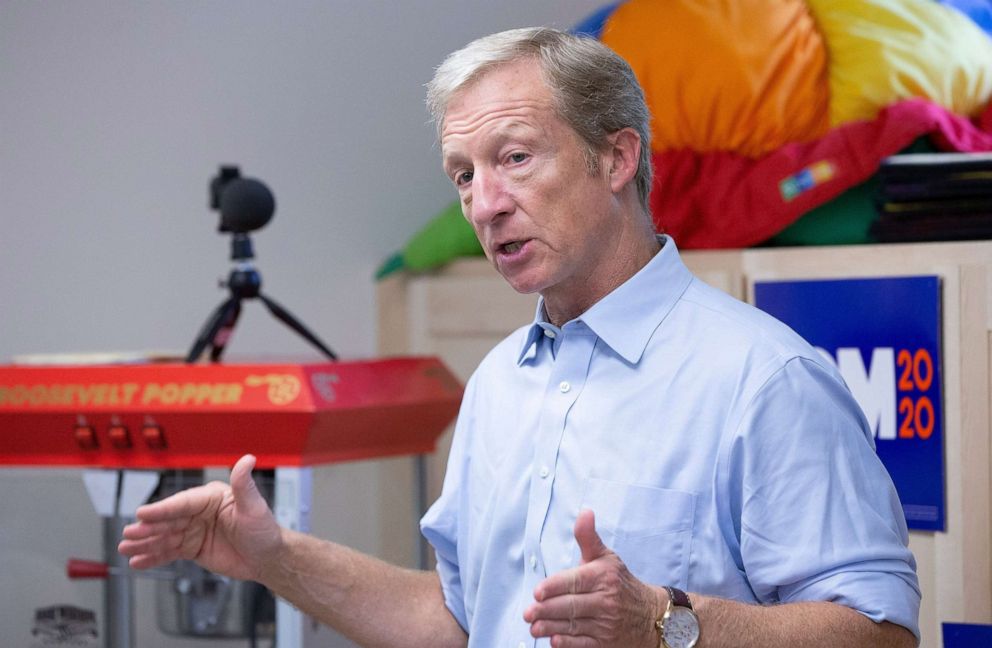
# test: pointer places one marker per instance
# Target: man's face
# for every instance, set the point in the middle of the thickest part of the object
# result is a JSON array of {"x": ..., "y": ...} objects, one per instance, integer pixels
[{"x": 544, "y": 219}]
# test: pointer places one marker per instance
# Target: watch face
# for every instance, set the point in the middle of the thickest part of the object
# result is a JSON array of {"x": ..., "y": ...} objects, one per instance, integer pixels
[{"x": 681, "y": 628}]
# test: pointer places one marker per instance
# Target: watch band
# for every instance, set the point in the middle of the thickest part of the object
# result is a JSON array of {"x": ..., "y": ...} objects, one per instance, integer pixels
[{"x": 678, "y": 597}]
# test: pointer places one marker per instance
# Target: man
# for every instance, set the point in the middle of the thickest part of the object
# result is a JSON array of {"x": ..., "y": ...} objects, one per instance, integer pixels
[{"x": 645, "y": 437}]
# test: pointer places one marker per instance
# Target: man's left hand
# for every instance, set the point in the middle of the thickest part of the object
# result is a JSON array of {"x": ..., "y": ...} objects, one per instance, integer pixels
[{"x": 597, "y": 604}]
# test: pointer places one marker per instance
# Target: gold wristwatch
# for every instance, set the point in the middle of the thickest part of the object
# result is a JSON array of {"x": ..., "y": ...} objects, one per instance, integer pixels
[{"x": 678, "y": 626}]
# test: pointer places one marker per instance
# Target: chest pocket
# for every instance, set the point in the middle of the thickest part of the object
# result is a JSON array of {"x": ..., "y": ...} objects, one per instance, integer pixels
[{"x": 649, "y": 528}]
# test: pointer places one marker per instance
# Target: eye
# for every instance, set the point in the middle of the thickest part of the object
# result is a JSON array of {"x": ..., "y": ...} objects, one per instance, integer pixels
[
  {"x": 463, "y": 177},
  {"x": 517, "y": 158}
]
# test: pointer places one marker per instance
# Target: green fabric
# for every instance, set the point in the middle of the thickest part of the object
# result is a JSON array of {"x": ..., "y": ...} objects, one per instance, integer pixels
[
  {"x": 446, "y": 237},
  {"x": 390, "y": 265},
  {"x": 845, "y": 220}
]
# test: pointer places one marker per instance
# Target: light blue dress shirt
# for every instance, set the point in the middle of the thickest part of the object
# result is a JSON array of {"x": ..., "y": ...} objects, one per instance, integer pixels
[{"x": 719, "y": 453}]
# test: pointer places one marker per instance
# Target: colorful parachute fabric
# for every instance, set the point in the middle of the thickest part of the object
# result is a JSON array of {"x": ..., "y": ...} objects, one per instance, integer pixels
[{"x": 765, "y": 110}]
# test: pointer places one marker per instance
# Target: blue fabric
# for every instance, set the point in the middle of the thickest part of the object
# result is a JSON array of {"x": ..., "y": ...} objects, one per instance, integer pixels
[
  {"x": 979, "y": 11},
  {"x": 592, "y": 25},
  {"x": 718, "y": 451}
]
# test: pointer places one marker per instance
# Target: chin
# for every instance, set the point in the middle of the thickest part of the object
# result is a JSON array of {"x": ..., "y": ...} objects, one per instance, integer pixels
[
  {"x": 527, "y": 278},
  {"x": 523, "y": 285}
]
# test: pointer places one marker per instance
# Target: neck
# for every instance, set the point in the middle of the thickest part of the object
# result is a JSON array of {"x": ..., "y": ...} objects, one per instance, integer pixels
[{"x": 630, "y": 257}]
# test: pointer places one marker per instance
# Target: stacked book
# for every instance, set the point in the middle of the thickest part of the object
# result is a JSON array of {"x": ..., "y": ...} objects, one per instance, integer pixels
[{"x": 934, "y": 197}]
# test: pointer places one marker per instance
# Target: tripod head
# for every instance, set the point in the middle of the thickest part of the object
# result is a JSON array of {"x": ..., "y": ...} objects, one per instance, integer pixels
[{"x": 245, "y": 204}]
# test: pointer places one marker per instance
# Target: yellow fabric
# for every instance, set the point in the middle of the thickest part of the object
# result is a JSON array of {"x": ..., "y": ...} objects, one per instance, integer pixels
[
  {"x": 725, "y": 75},
  {"x": 882, "y": 51}
]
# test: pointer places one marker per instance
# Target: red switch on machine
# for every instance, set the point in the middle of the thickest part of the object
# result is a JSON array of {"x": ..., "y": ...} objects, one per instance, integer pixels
[
  {"x": 119, "y": 436},
  {"x": 153, "y": 435},
  {"x": 86, "y": 437}
]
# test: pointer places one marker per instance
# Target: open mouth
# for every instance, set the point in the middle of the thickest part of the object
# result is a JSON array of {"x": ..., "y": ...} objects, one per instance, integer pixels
[{"x": 511, "y": 247}]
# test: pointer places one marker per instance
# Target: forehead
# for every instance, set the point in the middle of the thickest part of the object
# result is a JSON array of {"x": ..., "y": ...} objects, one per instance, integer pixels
[{"x": 515, "y": 89}]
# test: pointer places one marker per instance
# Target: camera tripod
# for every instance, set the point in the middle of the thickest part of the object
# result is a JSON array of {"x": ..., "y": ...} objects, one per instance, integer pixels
[{"x": 244, "y": 282}]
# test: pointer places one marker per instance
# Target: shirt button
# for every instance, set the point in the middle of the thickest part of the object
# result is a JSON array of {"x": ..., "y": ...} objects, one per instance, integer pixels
[
  {"x": 533, "y": 561},
  {"x": 521, "y": 645},
  {"x": 544, "y": 472},
  {"x": 551, "y": 334},
  {"x": 564, "y": 386}
]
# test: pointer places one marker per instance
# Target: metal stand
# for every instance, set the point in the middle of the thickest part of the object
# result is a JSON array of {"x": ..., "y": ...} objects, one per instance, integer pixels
[
  {"x": 244, "y": 282},
  {"x": 118, "y": 591},
  {"x": 293, "y": 497},
  {"x": 116, "y": 495}
]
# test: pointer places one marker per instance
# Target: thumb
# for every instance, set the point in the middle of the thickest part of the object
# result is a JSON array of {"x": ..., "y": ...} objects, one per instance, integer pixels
[
  {"x": 590, "y": 544},
  {"x": 247, "y": 499}
]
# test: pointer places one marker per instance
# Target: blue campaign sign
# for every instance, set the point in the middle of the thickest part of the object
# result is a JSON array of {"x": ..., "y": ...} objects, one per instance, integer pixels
[
  {"x": 884, "y": 337},
  {"x": 966, "y": 635}
]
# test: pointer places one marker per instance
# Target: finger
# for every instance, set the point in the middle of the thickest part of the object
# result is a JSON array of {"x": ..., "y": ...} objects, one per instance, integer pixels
[
  {"x": 241, "y": 470},
  {"x": 246, "y": 495},
  {"x": 575, "y": 628},
  {"x": 131, "y": 548},
  {"x": 569, "y": 606},
  {"x": 148, "y": 561},
  {"x": 140, "y": 530},
  {"x": 171, "y": 542},
  {"x": 566, "y": 641},
  {"x": 188, "y": 503},
  {"x": 149, "y": 556},
  {"x": 590, "y": 544},
  {"x": 569, "y": 581},
  {"x": 137, "y": 530}
]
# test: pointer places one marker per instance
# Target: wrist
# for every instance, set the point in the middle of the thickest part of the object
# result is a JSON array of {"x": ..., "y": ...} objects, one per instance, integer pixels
[
  {"x": 270, "y": 565},
  {"x": 659, "y": 600}
]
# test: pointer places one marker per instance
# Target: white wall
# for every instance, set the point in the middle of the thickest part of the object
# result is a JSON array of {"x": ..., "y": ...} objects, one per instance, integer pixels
[{"x": 114, "y": 116}]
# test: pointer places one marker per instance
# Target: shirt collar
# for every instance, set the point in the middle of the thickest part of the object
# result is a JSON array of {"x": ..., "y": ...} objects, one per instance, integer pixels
[
  {"x": 529, "y": 348},
  {"x": 626, "y": 318}
]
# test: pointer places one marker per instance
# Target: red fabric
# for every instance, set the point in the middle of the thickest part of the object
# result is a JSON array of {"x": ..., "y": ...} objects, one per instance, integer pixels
[
  {"x": 985, "y": 120},
  {"x": 724, "y": 200}
]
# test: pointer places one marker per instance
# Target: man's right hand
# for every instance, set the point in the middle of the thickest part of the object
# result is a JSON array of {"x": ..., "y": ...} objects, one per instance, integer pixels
[{"x": 228, "y": 529}]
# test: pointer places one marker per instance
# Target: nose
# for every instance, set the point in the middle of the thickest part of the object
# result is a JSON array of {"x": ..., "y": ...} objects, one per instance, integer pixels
[{"x": 490, "y": 198}]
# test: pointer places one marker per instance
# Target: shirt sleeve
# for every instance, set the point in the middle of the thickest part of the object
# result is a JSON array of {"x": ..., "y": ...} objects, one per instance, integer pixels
[
  {"x": 440, "y": 525},
  {"x": 819, "y": 518}
]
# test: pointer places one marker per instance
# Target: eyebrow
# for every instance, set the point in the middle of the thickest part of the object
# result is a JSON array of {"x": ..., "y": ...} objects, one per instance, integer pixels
[{"x": 510, "y": 130}]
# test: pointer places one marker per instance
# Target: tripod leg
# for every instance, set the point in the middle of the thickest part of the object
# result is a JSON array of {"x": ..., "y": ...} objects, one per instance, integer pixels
[
  {"x": 226, "y": 330},
  {"x": 209, "y": 330},
  {"x": 287, "y": 318}
]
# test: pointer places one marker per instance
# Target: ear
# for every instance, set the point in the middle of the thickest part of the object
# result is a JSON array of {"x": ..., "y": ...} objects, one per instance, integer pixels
[{"x": 622, "y": 158}]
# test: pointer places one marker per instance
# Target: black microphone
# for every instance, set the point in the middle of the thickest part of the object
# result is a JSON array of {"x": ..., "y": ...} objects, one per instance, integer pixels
[{"x": 246, "y": 205}]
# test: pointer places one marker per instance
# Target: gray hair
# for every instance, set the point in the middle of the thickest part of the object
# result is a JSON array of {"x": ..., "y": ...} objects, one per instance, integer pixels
[{"x": 593, "y": 89}]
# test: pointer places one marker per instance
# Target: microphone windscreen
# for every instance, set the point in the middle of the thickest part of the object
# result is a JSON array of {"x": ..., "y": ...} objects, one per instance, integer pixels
[{"x": 245, "y": 205}]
